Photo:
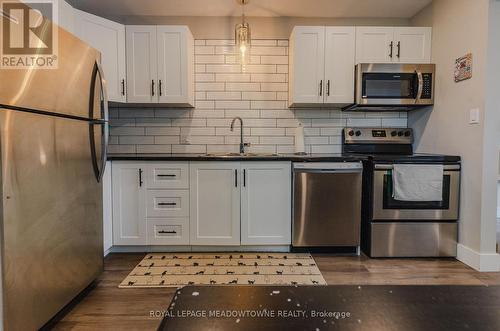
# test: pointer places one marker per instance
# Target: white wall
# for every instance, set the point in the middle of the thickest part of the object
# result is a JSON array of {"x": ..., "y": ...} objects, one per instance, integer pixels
[{"x": 460, "y": 27}]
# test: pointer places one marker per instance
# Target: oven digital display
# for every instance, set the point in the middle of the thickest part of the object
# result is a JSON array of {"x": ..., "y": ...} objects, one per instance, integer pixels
[{"x": 379, "y": 133}]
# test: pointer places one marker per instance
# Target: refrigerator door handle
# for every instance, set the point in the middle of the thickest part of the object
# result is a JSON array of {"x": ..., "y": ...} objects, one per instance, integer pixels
[{"x": 103, "y": 122}]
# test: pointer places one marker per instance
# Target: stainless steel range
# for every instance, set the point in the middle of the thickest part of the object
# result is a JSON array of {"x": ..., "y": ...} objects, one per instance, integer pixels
[{"x": 395, "y": 227}]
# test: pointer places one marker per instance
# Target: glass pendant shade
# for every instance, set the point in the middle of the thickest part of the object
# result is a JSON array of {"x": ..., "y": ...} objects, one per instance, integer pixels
[{"x": 242, "y": 40}]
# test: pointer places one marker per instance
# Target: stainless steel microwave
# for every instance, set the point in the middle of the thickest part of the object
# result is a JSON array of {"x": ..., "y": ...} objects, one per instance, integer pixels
[{"x": 393, "y": 87}]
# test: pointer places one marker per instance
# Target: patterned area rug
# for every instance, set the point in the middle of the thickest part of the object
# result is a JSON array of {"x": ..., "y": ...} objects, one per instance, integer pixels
[{"x": 174, "y": 270}]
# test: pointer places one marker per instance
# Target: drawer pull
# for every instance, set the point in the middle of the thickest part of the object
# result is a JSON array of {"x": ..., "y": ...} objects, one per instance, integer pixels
[
  {"x": 167, "y": 232},
  {"x": 167, "y": 175},
  {"x": 167, "y": 203}
]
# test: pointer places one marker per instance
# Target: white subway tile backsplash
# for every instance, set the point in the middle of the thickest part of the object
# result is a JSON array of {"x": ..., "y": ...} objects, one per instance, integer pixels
[
  {"x": 223, "y": 68},
  {"x": 242, "y": 86},
  {"x": 269, "y": 78},
  {"x": 209, "y": 58},
  {"x": 224, "y": 96},
  {"x": 136, "y": 140},
  {"x": 258, "y": 104},
  {"x": 167, "y": 140},
  {"x": 228, "y": 104},
  {"x": 154, "y": 149},
  {"x": 273, "y": 59},
  {"x": 257, "y": 93},
  {"x": 204, "y": 50},
  {"x": 209, "y": 86},
  {"x": 241, "y": 77}
]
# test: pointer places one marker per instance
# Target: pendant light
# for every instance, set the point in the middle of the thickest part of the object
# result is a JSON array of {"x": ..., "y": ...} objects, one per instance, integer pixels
[{"x": 242, "y": 37}]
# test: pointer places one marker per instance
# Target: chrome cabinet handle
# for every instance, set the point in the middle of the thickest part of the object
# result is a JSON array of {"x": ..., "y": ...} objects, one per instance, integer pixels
[
  {"x": 321, "y": 88},
  {"x": 328, "y": 88},
  {"x": 166, "y": 175},
  {"x": 399, "y": 50},
  {"x": 244, "y": 177},
  {"x": 235, "y": 177},
  {"x": 152, "y": 88},
  {"x": 123, "y": 87},
  {"x": 391, "y": 45},
  {"x": 159, "y": 87},
  {"x": 140, "y": 177},
  {"x": 167, "y": 204}
]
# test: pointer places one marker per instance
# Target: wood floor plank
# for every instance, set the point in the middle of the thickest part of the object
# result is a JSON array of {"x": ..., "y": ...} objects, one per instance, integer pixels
[{"x": 108, "y": 307}]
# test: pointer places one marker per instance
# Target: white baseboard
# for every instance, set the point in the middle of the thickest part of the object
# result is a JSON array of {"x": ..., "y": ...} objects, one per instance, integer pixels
[{"x": 484, "y": 262}]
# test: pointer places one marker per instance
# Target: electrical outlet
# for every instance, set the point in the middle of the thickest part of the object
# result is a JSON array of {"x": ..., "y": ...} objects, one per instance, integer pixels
[{"x": 474, "y": 116}]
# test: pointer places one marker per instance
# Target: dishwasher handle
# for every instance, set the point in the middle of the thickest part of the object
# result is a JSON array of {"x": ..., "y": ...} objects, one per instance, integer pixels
[{"x": 328, "y": 171}]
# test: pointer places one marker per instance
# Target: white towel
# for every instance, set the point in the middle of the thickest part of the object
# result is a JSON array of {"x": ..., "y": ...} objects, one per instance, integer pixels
[{"x": 412, "y": 182}]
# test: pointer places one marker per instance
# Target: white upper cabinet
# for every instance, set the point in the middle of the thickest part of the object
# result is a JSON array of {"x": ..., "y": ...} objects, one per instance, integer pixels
[
  {"x": 307, "y": 58},
  {"x": 141, "y": 64},
  {"x": 413, "y": 45},
  {"x": 215, "y": 203},
  {"x": 108, "y": 38},
  {"x": 321, "y": 65},
  {"x": 175, "y": 64},
  {"x": 160, "y": 64},
  {"x": 266, "y": 203},
  {"x": 393, "y": 45},
  {"x": 339, "y": 64},
  {"x": 373, "y": 44}
]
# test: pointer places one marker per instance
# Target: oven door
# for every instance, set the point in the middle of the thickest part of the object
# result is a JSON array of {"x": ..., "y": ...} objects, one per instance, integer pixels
[{"x": 386, "y": 208}]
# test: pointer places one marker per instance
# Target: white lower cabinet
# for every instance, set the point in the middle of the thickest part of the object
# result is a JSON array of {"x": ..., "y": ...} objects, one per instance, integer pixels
[
  {"x": 143, "y": 214},
  {"x": 129, "y": 226},
  {"x": 215, "y": 203},
  {"x": 266, "y": 199}
]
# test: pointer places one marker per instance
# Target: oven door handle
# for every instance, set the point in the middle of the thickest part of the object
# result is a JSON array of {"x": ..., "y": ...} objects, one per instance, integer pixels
[
  {"x": 420, "y": 86},
  {"x": 390, "y": 167}
]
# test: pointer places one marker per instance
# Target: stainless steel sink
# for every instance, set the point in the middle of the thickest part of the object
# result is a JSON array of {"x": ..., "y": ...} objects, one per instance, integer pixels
[{"x": 241, "y": 154}]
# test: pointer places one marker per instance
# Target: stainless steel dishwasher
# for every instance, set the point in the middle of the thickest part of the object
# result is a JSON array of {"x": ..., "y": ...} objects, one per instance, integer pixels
[{"x": 327, "y": 204}]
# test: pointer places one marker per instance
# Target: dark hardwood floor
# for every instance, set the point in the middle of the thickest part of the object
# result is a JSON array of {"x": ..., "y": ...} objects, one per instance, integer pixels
[{"x": 109, "y": 308}]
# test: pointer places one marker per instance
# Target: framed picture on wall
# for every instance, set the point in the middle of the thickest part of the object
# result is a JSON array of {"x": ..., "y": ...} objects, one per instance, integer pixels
[{"x": 463, "y": 68}]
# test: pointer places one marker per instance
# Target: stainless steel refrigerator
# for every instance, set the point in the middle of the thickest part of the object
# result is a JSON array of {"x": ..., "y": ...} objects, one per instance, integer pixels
[{"x": 53, "y": 140}]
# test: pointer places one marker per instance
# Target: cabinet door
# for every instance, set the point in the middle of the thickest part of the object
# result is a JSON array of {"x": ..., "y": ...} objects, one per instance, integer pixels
[
  {"x": 340, "y": 48},
  {"x": 307, "y": 64},
  {"x": 373, "y": 45},
  {"x": 266, "y": 203},
  {"x": 414, "y": 44},
  {"x": 129, "y": 225},
  {"x": 175, "y": 47},
  {"x": 107, "y": 37},
  {"x": 141, "y": 64},
  {"x": 214, "y": 203}
]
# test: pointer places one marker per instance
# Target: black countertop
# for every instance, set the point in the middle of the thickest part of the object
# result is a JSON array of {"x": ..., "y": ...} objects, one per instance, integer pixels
[
  {"x": 212, "y": 157},
  {"x": 391, "y": 308}
]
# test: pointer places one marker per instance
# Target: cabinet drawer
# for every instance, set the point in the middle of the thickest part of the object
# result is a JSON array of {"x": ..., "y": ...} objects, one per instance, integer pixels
[
  {"x": 168, "y": 176},
  {"x": 168, "y": 232},
  {"x": 167, "y": 203}
]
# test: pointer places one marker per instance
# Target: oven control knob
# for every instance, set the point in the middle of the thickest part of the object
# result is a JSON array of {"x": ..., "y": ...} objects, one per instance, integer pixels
[
  {"x": 394, "y": 133},
  {"x": 407, "y": 133},
  {"x": 351, "y": 133},
  {"x": 400, "y": 133},
  {"x": 358, "y": 133}
]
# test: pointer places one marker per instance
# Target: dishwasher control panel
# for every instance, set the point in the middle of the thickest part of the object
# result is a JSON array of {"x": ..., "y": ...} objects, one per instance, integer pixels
[{"x": 327, "y": 165}]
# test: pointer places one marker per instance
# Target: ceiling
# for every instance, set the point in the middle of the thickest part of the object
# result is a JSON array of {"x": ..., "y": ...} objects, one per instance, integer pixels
[{"x": 263, "y": 8}]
